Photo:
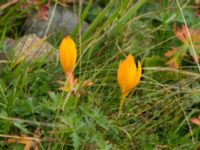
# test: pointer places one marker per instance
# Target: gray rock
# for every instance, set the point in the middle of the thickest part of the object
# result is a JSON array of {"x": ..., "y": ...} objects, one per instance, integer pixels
[
  {"x": 64, "y": 21},
  {"x": 31, "y": 47}
]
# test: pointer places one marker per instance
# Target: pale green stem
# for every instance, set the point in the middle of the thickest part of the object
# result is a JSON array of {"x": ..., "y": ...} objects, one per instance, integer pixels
[
  {"x": 122, "y": 100},
  {"x": 65, "y": 102}
]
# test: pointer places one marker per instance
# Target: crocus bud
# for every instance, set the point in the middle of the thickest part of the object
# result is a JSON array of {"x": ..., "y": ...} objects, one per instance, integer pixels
[{"x": 68, "y": 55}]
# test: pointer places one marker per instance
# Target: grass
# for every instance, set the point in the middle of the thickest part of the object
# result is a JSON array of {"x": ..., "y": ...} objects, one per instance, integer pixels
[{"x": 157, "y": 111}]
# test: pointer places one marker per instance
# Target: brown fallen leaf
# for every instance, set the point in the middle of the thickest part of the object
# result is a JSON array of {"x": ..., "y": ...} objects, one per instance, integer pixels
[
  {"x": 185, "y": 35},
  {"x": 171, "y": 52},
  {"x": 173, "y": 62},
  {"x": 42, "y": 13},
  {"x": 29, "y": 142},
  {"x": 195, "y": 120},
  {"x": 197, "y": 2}
]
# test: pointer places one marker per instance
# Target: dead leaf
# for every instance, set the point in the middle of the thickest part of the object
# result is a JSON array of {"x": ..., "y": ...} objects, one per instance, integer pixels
[
  {"x": 182, "y": 34},
  {"x": 177, "y": 53},
  {"x": 173, "y": 63},
  {"x": 75, "y": 88},
  {"x": 196, "y": 120},
  {"x": 42, "y": 13},
  {"x": 197, "y": 2},
  {"x": 29, "y": 142},
  {"x": 170, "y": 53},
  {"x": 87, "y": 83}
]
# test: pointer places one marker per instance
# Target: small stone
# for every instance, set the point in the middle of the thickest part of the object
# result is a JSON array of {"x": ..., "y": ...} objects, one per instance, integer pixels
[
  {"x": 64, "y": 21},
  {"x": 31, "y": 47}
]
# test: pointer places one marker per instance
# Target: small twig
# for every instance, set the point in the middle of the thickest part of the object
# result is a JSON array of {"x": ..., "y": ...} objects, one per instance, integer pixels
[
  {"x": 16, "y": 137},
  {"x": 20, "y": 137},
  {"x": 7, "y": 4},
  {"x": 187, "y": 120},
  {"x": 128, "y": 136},
  {"x": 51, "y": 19},
  {"x": 65, "y": 101},
  {"x": 173, "y": 70},
  {"x": 43, "y": 124}
]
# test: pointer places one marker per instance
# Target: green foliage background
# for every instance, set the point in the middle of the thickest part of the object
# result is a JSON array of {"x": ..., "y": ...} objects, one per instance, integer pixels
[{"x": 157, "y": 111}]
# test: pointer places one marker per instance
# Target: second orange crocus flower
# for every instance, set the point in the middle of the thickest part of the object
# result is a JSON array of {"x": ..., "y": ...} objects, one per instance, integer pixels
[{"x": 128, "y": 76}]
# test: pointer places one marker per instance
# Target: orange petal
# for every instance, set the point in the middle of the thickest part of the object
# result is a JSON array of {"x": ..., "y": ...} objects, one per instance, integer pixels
[
  {"x": 127, "y": 75},
  {"x": 68, "y": 54}
]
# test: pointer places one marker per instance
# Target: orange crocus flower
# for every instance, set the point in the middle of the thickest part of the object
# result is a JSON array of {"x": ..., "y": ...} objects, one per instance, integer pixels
[
  {"x": 128, "y": 76},
  {"x": 68, "y": 56}
]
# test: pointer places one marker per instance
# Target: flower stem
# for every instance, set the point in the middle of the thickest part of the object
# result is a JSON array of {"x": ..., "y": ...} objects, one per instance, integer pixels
[
  {"x": 65, "y": 102},
  {"x": 122, "y": 100}
]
